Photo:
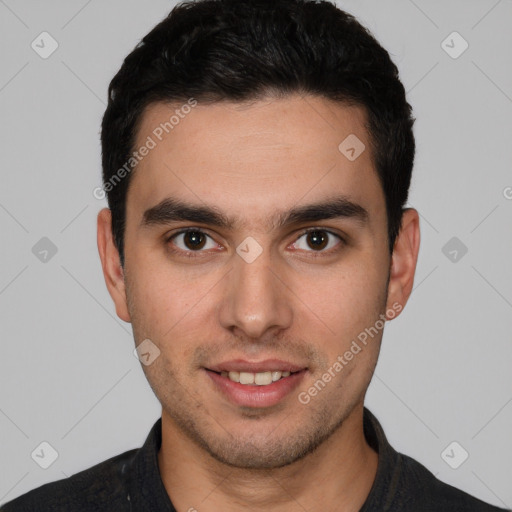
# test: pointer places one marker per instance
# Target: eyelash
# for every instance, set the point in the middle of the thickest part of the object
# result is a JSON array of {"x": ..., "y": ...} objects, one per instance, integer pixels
[{"x": 197, "y": 254}]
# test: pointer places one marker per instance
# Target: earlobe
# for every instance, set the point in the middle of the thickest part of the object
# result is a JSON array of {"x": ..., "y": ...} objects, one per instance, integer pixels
[
  {"x": 404, "y": 259},
  {"x": 111, "y": 264}
]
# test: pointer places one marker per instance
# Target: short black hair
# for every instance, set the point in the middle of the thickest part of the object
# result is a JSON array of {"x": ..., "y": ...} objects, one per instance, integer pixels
[{"x": 243, "y": 50}]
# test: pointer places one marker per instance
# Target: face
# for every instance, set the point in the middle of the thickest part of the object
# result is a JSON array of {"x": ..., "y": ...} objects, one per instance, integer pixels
[{"x": 284, "y": 265}]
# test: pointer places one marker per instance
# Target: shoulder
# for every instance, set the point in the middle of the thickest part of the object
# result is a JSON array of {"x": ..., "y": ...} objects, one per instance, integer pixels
[
  {"x": 402, "y": 484},
  {"x": 420, "y": 490},
  {"x": 100, "y": 487}
]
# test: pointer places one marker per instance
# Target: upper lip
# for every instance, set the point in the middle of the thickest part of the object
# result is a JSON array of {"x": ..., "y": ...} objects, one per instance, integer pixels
[{"x": 241, "y": 365}]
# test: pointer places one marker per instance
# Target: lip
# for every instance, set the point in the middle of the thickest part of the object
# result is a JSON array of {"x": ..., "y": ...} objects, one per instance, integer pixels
[
  {"x": 241, "y": 365},
  {"x": 246, "y": 395}
]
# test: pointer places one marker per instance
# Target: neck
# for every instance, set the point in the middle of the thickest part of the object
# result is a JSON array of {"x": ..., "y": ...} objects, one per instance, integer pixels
[{"x": 338, "y": 475}]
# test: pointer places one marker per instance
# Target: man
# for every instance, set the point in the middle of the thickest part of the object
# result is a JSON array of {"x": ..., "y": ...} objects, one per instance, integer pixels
[{"x": 257, "y": 158}]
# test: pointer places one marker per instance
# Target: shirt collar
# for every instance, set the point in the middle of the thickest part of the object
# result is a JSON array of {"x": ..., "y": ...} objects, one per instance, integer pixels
[
  {"x": 383, "y": 490},
  {"x": 146, "y": 489}
]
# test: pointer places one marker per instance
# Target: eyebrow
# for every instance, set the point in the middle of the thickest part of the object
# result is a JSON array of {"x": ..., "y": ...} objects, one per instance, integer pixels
[{"x": 172, "y": 210}]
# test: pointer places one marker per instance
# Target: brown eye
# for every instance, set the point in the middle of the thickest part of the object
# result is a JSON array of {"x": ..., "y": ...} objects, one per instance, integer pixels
[
  {"x": 318, "y": 240},
  {"x": 194, "y": 240},
  {"x": 190, "y": 241}
]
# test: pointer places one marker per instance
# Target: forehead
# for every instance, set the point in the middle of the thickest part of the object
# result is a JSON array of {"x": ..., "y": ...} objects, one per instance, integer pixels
[{"x": 254, "y": 157}]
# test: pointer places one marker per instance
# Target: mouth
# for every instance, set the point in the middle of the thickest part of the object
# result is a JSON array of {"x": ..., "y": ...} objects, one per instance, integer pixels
[{"x": 255, "y": 384}]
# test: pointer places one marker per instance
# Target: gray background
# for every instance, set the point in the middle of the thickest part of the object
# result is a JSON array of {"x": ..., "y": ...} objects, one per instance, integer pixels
[{"x": 68, "y": 375}]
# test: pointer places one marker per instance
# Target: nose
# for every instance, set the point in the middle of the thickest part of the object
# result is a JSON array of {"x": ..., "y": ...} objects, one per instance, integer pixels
[{"x": 256, "y": 298}]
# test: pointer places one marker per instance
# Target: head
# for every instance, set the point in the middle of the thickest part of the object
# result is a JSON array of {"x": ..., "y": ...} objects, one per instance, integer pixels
[{"x": 278, "y": 134}]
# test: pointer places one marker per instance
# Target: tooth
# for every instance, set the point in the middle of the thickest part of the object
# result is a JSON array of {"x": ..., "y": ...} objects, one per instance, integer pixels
[
  {"x": 276, "y": 376},
  {"x": 263, "y": 378},
  {"x": 246, "y": 378},
  {"x": 259, "y": 379},
  {"x": 234, "y": 376}
]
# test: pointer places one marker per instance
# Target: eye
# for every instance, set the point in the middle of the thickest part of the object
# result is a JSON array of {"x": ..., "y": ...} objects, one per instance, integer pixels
[
  {"x": 318, "y": 240},
  {"x": 191, "y": 240}
]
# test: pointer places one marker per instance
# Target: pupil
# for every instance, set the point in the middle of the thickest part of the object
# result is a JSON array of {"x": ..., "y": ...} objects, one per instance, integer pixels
[
  {"x": 195, "y": 238},
  {"x": 318, "y": 239}
]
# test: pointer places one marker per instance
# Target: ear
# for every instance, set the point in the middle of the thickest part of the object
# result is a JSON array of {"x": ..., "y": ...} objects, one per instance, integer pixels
[
  {"x": 404, "y": 259},
  {"x": 111, "y": 264}
]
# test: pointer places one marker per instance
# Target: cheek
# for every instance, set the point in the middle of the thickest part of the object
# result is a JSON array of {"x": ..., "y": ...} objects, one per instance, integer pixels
[
  {"x": 168, "y": 304},
  {"x": 347, "y": 299},
  {"x": 157, "y": 300}
]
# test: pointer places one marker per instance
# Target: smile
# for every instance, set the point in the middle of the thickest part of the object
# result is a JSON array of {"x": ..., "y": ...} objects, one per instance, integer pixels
[
  {"x": 256, "y": 379},
  {"x": 255, "y": 389}
]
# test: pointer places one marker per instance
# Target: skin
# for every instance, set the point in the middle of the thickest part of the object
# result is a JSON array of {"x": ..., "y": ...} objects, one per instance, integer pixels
[{"x": 252, "y": 160}]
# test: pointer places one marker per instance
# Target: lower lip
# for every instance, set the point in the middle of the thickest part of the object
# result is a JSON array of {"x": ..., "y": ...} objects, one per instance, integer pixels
[{"x": 253, "y": 395}]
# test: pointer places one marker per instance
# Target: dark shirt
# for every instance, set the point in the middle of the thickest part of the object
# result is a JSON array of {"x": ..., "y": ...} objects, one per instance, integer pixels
[{"x": 131, "y": 482}]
